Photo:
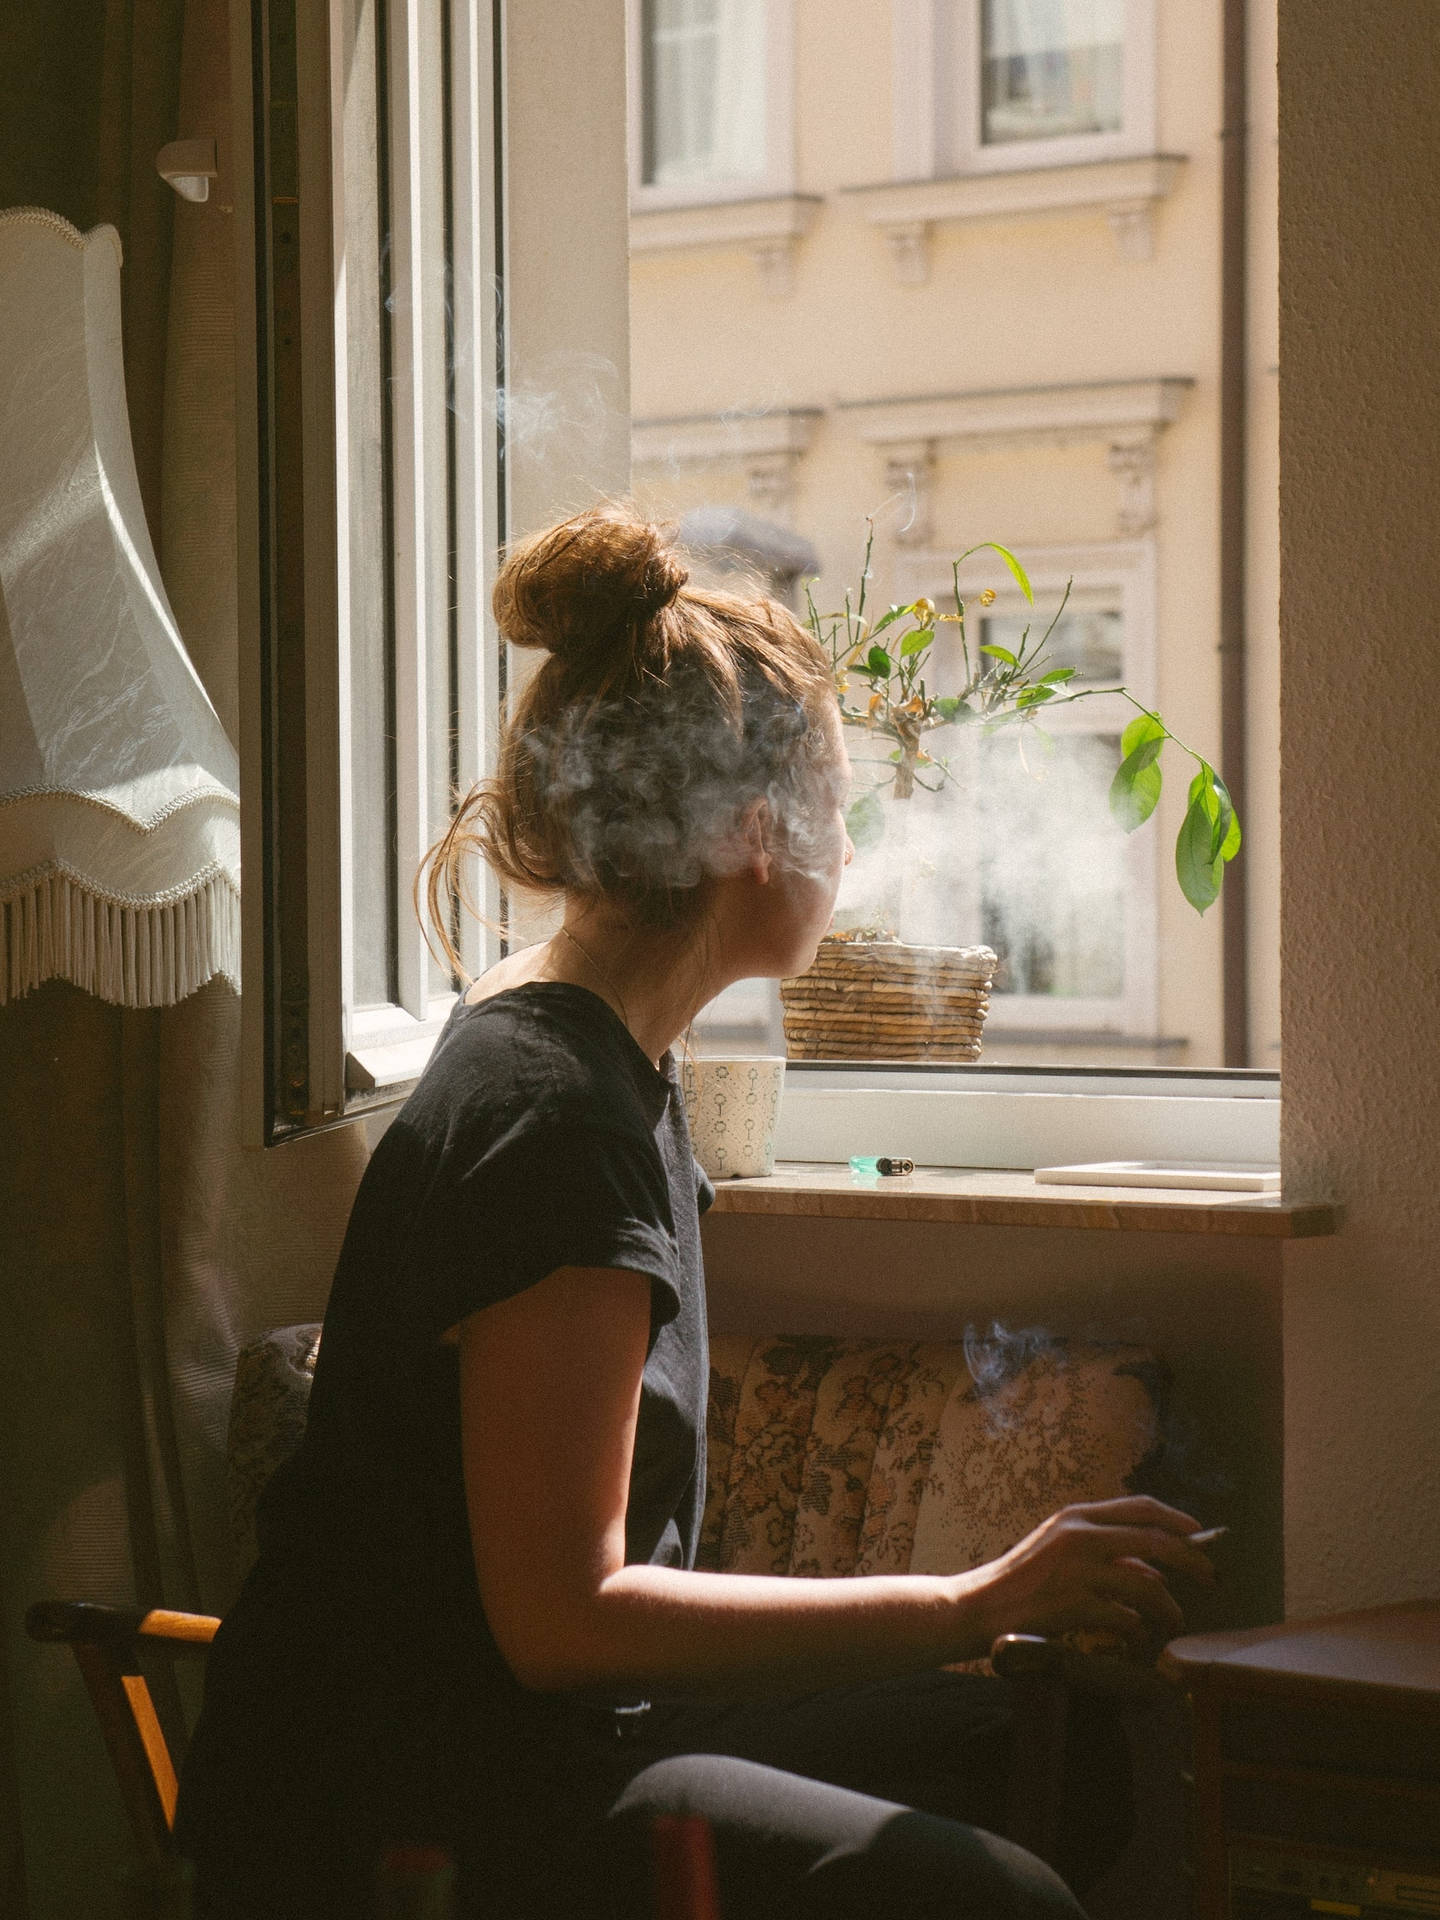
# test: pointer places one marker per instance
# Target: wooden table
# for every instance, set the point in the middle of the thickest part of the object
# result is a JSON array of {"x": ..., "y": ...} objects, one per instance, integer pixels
[{"x": 1317, "y": 1765}]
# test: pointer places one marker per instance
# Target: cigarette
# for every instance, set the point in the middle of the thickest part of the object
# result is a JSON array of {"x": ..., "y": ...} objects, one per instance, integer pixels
[{"x": 1207, "y": 1536}]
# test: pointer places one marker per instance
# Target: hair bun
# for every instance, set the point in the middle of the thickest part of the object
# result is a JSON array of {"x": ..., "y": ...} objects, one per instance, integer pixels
[{"x": 587, "y": 588}]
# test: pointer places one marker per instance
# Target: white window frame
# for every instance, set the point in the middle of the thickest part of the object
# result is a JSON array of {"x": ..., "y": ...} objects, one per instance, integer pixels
[
  {"x": 936, "y": 58},
  {"x": 386, "y": 1045},
  {"x": 312, "y": 1058},
  {"x": 1122, "y": 574},
  {"x": 778, "y": 177}
]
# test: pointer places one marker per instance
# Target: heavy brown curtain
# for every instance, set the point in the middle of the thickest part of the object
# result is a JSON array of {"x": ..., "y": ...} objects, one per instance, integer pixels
[{"x": 139, "y": 1244}]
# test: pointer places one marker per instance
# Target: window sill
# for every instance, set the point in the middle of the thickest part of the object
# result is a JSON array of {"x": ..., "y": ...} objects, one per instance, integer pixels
[
  {"x": 768, "y": 228},
  {"x": 989, "y": 1197},
  {"x": 1125, "y": 190}
]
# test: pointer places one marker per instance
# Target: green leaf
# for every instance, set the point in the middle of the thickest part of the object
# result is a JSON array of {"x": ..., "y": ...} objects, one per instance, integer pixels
[
  {"x": 879, "y": 661},
  {"x": 1135, "y": 790},
  {"x": 887, "y": 618},
  {"x": 1206, "y": 791},
  {"x": 865, "y": 821},
  {"x": 1145, "y": 726},
  {"x": 916, "y": 642},
  {"x": 1229, "y": 824},
  {"x": 1057, "y": 674},
  {"x": 1015, "y": 567},
  {"x": 1002, "y": 653},
  {"x": 1197, "y": 867},
  {"x": 1034, "y": 696},
  {"x": 951, "y": 707}
]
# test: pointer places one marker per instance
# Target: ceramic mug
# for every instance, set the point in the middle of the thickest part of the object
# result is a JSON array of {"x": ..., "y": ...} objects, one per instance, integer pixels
[{"x": 732, "y": 1106}]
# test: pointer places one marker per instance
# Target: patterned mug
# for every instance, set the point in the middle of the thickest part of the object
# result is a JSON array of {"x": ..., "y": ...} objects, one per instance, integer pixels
[{"x": 732, "y": 1106}]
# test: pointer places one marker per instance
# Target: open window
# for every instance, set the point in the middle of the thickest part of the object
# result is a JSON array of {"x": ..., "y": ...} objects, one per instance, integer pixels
[
  {"x": 428, "y": 380},
  {"x": 407, "y": 397}
]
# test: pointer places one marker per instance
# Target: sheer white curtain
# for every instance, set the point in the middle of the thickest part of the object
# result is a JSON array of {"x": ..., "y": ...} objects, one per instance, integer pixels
[
  {"x": 706, "y": 92},
  {"x": 1052, "y": 67}
]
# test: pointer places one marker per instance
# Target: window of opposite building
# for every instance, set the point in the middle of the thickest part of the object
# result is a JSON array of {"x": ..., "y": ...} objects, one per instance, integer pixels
[
  {"x": 1051, "y": 69},
  {"x": 716, "y": 81},
  {"x": 1000, "y": 85}
]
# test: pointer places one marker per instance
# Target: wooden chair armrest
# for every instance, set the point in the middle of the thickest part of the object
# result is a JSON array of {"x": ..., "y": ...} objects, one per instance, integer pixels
[
  {"x": 106, "y": 1643},
  {"x": 87, "y": 1623}
]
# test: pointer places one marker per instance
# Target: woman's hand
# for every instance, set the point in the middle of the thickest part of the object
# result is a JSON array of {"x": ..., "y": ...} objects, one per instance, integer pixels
[{"x": 1099, "y": 1567}]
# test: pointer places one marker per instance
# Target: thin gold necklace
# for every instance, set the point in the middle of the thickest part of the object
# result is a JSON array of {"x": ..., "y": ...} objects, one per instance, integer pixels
[{"x": 599, "y": 973}]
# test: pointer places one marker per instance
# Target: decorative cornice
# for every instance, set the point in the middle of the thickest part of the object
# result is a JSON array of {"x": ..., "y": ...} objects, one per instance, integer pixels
[
  {"x": 1125, "y": 190},
  {"x": 768, "y": 229},
  {"x": 1023, "y": 416},
  {"x": 714, "y": 439},
  {"x": 1127, "y": 415}
]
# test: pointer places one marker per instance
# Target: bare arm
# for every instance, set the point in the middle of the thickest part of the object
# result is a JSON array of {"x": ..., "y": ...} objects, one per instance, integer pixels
[{"x": 550, "y": 1393}]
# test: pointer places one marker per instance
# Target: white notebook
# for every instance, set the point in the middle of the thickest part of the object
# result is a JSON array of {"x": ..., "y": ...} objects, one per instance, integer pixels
[{"x": 1234, "y": 1176}]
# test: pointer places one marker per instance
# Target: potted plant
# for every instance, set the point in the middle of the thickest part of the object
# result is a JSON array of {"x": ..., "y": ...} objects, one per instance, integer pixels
[{"x": 869, "y": 994}]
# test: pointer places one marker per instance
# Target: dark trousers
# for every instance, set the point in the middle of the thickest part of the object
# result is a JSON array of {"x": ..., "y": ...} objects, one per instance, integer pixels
[{"x": 844, "y": 1804}]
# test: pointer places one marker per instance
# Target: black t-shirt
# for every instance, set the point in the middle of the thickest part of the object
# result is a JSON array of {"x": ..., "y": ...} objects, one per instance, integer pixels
[{"x": 539, "y": 1136}]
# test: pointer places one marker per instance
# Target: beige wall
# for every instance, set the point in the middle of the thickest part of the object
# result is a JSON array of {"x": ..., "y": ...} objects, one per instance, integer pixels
[
  {"x": 1009, "y": 303},
  {"x": 1360, "y": 500}
]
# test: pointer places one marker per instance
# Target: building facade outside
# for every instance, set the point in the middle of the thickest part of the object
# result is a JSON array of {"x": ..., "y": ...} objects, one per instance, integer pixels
[{"x": 955, "y": 265}]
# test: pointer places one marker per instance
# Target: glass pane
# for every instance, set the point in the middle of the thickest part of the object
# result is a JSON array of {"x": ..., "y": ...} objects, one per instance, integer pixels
[
  {"x": 1052, "y": 871},
  {"x": 1090, "y": 642},
  {"x": 770, "y": 424},
  {"x": 704, "y": 91},
  {"x": 1051, "y": 67}
]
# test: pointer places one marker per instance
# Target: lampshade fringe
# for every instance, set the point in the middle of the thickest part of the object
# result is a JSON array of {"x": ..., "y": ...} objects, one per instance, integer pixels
[{"x": 131, "y": 953}]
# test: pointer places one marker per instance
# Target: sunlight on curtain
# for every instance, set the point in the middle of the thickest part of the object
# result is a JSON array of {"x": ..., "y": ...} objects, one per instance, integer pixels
[
  {"x": 1052, "y": 68},
  {"x": 705, "y": 86}
]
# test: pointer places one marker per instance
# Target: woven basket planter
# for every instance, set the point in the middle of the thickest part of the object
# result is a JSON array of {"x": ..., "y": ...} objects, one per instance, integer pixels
[{"x": 868, "y": 999}]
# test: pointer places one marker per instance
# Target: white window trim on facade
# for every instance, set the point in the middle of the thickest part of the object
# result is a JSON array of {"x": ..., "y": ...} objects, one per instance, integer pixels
[
  {"x": 1119, "y": 574},
  {"x": 777, "y": 181},
  {"x": 1126, "y": 190}
]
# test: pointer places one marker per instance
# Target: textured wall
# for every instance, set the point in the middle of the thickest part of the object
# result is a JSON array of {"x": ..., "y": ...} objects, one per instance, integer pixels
[{"x": 1360, "y": 588}]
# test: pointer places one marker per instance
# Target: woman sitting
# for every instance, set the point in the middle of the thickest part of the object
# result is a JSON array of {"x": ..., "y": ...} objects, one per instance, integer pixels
[{"x": 475, "y": 1620}]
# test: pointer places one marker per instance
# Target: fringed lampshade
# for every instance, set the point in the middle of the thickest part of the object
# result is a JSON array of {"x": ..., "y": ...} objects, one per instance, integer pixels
[{"x": 119, "y": 822}]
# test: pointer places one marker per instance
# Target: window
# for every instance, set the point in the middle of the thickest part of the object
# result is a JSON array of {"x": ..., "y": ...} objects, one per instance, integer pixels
[
  {"x": 406, "y": 416},
  {"x": 1051, "y": 68},
  {"x": 704, "y": 91},
  {"x": 389, "y": 331},
  {"x": 713, "y": 92},
  {"x": 1022, "y": 856},
  {"x": 998, "y": 85}
]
